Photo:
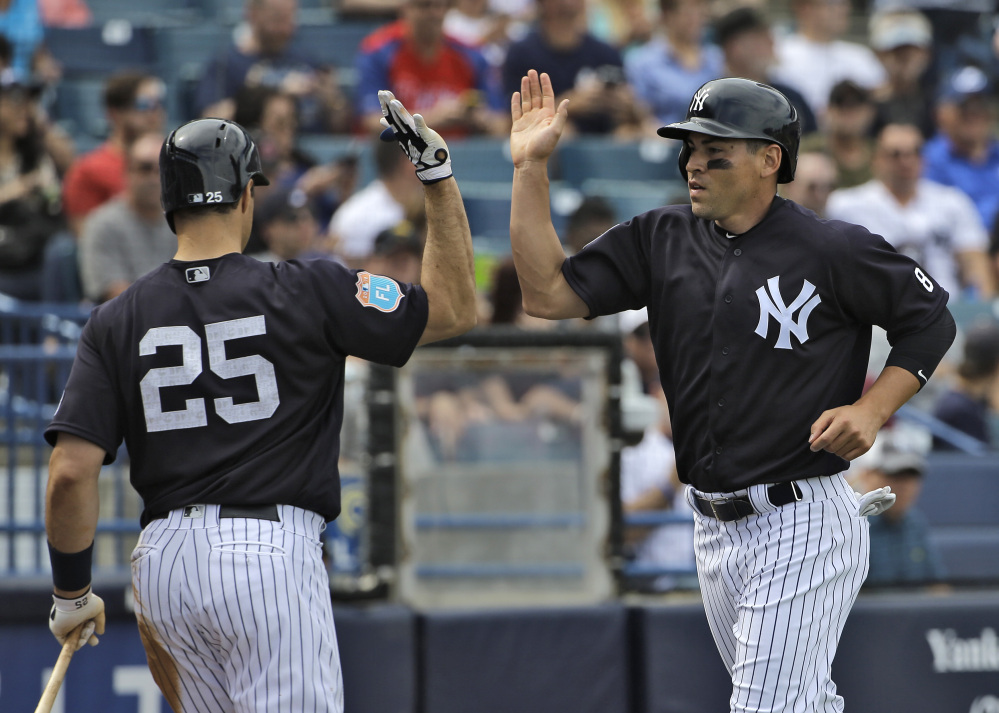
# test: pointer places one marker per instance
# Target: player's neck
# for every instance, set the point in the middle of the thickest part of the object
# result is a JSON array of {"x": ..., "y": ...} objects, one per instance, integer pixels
[{"x": 204, "y": 242}]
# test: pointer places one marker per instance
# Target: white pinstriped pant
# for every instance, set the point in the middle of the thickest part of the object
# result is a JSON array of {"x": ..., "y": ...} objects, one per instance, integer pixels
[
  {"x": 777, "y": 588},
  {"x": 235, "y": 613}
]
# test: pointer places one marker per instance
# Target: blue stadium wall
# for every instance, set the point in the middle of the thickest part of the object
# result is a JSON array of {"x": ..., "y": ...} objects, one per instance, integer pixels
[{"x": 901, "y": 653}]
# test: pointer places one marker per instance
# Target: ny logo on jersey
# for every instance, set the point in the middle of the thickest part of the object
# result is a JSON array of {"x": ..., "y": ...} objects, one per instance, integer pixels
[
  {"x": 772, "y": 305},
  {"x": 697, "y": 103}
]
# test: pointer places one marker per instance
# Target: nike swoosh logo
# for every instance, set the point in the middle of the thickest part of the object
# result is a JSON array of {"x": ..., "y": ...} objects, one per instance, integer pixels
[
  {"x": 729, "y": 235},
  {"x": 921, "y": 375}
]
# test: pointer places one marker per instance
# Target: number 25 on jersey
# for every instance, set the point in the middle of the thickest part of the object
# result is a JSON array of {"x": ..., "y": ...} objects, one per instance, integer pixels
[{"x": 194, "y": 414}]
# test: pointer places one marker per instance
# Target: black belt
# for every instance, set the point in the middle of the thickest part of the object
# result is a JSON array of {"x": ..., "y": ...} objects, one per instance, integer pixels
[
  {"x": 731, "y": 509},
  {"x": 252, "y": 512}
]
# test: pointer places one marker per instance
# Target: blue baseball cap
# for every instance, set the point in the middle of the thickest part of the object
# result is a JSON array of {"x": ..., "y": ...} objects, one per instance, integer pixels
[{"x": 966, "y": 82}]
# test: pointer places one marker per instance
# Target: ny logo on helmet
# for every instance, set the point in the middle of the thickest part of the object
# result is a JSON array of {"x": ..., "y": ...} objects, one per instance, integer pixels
[
  {"x": 697, "y": 103},
  {"x": 772, "y": 305}
]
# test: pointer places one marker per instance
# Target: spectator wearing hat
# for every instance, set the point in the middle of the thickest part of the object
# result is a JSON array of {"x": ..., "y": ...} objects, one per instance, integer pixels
[
  {"x": 969, "y": 405},
  {"x": 935, "y": 225},
  {"x": 814, "y": 58},
  {"x": 902, "y": 552},
  {"x": 845, "y": 133},
  {"x": 747, "y": 42},
  {"x": 287, "y": 226},
  {"x": 21, "y": 24},
  {"x": 965, "y": 153},
  {"x": 903, "y": 41},
  {"x": 398, "y": 252},
  {"x": 29, "y": 191}
]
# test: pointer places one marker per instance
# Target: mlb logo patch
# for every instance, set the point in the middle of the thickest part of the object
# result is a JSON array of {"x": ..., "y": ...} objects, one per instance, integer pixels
[
  {"x": 195, "y": 197},
  {"x": 378, "y": 291},
  {"x": 194, "y": 512},
  {"x": 198, "y": 274}
]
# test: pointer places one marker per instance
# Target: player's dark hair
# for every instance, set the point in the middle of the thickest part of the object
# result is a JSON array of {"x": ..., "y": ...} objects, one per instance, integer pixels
[{"x": 122, "y": 88}]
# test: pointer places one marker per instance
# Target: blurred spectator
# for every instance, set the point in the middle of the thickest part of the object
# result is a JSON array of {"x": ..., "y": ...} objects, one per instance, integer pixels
[
  {"x": 21, "y": 24},
  {"x": 134, "y": 104},
  {"x": 747, "y": 43},
  {"x": 272, "y": 117},
  {"x": 476, "y": 23},
  {"x": 398, "y": 252},
  {"x": 65, "y": 13},
  {"x": 901, "y": 550},
  {"x": 668, "y": 70},
  {"x": 903, "y": 40},
  {"x": 968, "y": 405},
  {"x": 395, "y": 195},
  {"x": 266, "y": 56},
  {"x": 583, "y": 69},
  {"x": 814, "y": 58},
  {"x": 506, "y": 299},
  {"x": 450, "y": 84},
  {"x": 965, "y": 153},
  {"x": 935, "y": 225},
  {"x": 287, "y": 226},
  {"x": 621, "y": 23},
  {"x": 846, "y": 133},
  {"x": 814, "y": 180},
  {"x": 128, "y": 236},
  {"x": 591, "y": 219},
  {"x": 29, "y": 192}
]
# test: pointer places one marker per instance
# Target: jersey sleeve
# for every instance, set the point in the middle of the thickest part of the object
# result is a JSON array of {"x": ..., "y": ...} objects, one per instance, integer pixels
[
  {"x": 880, "y": 286},
  {"x": 611, "y": 274},
  {"x": 88, "y": 408},
  {"x": 369, "y": 316}
]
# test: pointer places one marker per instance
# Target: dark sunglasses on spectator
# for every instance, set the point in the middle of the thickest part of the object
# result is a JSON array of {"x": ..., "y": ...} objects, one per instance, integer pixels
[
  {"x": 148, "y": 103},
  {"x": 896, "y": 154},
  {"x": 145, "y": 167}
]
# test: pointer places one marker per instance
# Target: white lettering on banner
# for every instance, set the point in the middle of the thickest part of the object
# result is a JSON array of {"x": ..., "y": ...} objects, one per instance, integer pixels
[
  {"x": 772, "y": 305},
  {"x": 137, "y": 681},
  {"x": 952, "y": 654},
  {"x": 985, "y": 704}
]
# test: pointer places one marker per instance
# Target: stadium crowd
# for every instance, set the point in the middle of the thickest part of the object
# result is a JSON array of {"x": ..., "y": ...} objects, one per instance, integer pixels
[{"x": 897, "y": 98}]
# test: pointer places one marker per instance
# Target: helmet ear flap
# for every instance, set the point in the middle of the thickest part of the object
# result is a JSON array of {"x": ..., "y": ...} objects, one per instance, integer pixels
[{"x": 682, "y": 159}]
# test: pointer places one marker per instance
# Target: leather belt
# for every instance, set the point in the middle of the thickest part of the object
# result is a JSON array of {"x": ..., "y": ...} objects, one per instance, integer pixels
[
  {"x": 732, "y": 509},
  {"x": 252, "y": 512}
]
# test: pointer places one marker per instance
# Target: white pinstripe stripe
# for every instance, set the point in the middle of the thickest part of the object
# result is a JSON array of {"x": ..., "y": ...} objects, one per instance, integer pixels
[
  {"x": 226, "y": 599},
  {"x": 777, "y": 588}
]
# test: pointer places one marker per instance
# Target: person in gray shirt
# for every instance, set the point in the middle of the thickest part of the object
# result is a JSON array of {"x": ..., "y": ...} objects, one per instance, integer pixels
[{"x": 128, "y": 236}]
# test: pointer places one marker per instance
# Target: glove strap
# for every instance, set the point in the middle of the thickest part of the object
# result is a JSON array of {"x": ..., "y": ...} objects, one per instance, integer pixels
[
  {"x": 71, "y": 605},
  {"x": 71, "y": 572}
]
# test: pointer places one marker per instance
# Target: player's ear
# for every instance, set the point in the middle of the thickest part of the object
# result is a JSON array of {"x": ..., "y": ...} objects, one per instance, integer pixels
[
  {"x": 771, "y": 156},
  {"x": 246, "y": 200}
]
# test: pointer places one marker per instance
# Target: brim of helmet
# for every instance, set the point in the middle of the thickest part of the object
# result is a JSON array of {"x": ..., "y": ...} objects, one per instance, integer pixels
[
  {"x": 260, "y": 179},
  {"x": 680, "y": 129}
]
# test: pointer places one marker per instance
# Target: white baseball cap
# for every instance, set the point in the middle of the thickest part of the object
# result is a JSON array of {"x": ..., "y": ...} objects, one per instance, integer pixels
[{"x": 897, "y": 28}]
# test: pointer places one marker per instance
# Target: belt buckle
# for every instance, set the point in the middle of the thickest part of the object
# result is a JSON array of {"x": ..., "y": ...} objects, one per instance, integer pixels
[{"x": 714, "y": 503}]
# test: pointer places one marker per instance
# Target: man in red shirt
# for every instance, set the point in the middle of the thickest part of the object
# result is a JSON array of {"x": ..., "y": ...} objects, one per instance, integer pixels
[
  {"x": 450, "y": 84},
  {"x": 134, "y": 104}
]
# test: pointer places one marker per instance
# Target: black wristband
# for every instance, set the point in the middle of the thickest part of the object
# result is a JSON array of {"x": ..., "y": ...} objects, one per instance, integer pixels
[{"x": 71, "y": 572}]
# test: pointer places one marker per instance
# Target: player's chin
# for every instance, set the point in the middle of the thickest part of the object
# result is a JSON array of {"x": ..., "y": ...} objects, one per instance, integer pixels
[{"x": 701, "y": 208}]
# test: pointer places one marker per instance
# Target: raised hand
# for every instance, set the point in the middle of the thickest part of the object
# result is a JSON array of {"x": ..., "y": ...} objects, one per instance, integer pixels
[{"x": 537, "y": 124}]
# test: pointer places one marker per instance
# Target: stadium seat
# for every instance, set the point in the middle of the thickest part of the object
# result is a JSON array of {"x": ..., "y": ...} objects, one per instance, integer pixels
[
  {"x": 481, "y": 159},
  {"x": 961, "y": 490},
  {"x": 630, "y": 197},
  {"x": 146, "y": 12},
  {"x": 602, "y": 158},
  {"x": 99, "y": 51},
  {"x": 969, "y": 554},
  {"x": 79, "y": 107}
]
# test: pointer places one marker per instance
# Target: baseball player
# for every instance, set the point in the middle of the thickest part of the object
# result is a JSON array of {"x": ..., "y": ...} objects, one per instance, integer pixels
[
  {"x": 761, "y": 317},
  {"x": 225, "y": 377}
]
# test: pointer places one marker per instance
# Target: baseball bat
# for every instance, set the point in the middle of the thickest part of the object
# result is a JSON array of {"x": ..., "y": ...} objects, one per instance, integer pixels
[{"x": 59, "y": 671}]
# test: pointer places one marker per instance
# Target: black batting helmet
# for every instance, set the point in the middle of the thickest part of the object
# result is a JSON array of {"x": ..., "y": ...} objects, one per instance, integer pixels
[
  {"x": 207, "y": 162},
  {"x": 739, "y": 108}
]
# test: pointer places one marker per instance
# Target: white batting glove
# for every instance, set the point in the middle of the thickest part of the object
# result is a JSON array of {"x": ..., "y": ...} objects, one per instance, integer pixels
[
  {"x": 67, "y": 614},
  {"x": 424, "y": 146},
  {"x": 876, "y": 501}
]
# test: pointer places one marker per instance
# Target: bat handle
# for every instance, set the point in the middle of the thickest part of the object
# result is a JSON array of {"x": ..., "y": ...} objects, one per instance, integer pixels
[{"x": 59, "y": 671}]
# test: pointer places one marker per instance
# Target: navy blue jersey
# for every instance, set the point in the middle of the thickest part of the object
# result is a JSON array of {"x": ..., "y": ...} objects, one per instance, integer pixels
[
  {"x": 225, "y": 377},
  {"x": 756, "y": 335}
]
